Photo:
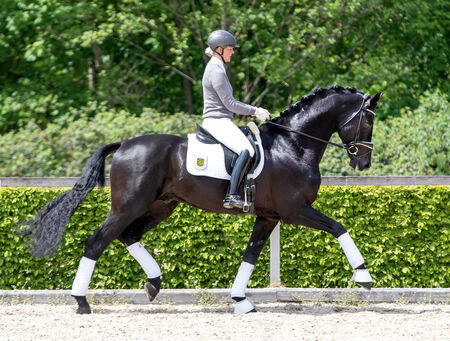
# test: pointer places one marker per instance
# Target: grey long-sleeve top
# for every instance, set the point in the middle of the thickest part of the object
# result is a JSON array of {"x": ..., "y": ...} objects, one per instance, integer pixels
[{"x": 218, "y": 94}]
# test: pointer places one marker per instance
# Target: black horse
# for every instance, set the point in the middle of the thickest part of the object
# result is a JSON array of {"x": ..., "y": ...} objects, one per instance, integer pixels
[{"x": 149, "y": 179}]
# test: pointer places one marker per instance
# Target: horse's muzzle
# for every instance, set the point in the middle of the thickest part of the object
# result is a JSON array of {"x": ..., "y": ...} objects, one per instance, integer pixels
[{"x": 360, "y": 164}]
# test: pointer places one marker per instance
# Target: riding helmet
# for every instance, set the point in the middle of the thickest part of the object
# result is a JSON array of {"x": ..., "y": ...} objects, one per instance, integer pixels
[{"x": 221, "y": 38}]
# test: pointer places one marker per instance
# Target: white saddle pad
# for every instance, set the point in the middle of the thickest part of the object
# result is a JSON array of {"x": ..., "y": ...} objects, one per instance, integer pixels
[{"x": 208, "y": 159}]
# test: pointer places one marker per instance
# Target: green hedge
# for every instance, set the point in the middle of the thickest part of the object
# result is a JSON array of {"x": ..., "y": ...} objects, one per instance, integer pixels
[{"x": 402, "y": 231}]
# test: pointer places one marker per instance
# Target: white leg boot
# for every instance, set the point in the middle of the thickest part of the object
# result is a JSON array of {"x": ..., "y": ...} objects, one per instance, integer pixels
[
  {"x": 83, "y": 277},
  {"x": 244, "y": 307},
  {"x": 150, "y": 267},
  {"x": 81, "y": 283},
  {"x": 360, "y": 276},
  {"x": 145, "y": 259},
  {"x": 243, "y": 304}
]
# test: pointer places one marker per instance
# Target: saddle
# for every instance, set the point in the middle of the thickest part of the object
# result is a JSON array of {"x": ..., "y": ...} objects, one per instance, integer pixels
[
  {"x": 206, "y": 156},
  {"x": 205, "y": 136}
]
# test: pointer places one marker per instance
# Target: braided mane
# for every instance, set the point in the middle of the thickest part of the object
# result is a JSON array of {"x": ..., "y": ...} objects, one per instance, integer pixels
[{"x": 317, "y": 93}]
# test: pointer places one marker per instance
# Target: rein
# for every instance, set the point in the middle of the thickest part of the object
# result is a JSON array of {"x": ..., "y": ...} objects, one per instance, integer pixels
[
  {"x": 305, "y": 134},
  {"x": 350, "y": 147}
]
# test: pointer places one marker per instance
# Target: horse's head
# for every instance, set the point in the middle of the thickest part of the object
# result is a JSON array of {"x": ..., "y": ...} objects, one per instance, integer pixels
[{"x": 355, "y": 129}]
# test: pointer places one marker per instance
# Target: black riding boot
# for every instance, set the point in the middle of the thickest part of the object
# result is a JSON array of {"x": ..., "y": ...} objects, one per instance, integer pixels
[{"x": 233, "y": 199}]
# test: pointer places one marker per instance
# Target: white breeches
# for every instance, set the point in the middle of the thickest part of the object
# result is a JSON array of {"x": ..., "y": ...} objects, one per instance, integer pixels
[{"x": 224, "y": 130}]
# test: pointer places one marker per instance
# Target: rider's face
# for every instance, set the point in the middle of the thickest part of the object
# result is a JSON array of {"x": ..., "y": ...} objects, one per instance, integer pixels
[{"x": 227, "y": 53}]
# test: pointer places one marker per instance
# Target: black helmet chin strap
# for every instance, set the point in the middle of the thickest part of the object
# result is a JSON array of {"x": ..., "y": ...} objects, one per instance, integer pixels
[{"x": 220, "y": 54}]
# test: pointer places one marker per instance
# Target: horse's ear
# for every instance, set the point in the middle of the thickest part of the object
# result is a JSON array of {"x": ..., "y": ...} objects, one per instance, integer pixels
[{"x": 372, "y": 102}]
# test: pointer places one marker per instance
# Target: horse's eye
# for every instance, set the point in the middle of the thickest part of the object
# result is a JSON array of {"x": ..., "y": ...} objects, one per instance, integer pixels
[{"x": 368, "y": 119}]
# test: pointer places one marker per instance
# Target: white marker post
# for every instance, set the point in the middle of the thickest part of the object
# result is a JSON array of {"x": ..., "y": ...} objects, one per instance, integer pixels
[{"x": 275, "y": 256}]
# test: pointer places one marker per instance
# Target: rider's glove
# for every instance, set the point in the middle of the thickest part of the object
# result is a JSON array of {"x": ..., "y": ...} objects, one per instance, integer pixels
[{"x": 262, "y": 114}]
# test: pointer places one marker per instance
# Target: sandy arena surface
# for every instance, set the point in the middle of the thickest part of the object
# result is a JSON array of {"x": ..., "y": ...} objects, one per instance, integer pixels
[{"x": 274, "y": 321}]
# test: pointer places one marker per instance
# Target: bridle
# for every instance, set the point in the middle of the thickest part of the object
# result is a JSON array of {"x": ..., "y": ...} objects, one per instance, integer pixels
[{"x": 351, "y": 147}]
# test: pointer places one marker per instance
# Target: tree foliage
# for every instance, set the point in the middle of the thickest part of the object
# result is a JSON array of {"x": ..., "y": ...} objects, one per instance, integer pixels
[
  {"x": 415, "y": 143},
  {"x": 64, "y": 149},
  {"x": 56, "y": 57}
]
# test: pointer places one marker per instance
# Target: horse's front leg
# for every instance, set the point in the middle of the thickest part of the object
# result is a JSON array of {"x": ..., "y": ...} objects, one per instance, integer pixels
[
  {"x": 261, "y": 231},
  {"x": 310, "y": 217}
]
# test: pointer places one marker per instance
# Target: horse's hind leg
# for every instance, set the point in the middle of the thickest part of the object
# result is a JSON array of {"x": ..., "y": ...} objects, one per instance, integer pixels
[
  {"x": 131, "y": 236},
  {"x": 261, "y": 231},
  {"x": 94, "y": 247}
]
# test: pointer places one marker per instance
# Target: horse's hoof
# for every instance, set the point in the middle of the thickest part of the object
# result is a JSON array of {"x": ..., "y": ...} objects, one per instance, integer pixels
[
  {"x": 151, "y": 291},
  {"x": 365, "y": 285},
  {"x": 244, "y": 307},
  {"x": 83, "y": 305},
  {"x": 84, "y": 310},
  {"x": 362, "y": 277}
]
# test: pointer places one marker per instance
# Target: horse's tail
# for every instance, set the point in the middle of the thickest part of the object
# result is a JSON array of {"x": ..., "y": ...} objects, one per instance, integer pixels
[{"x": 46, "y": 228}]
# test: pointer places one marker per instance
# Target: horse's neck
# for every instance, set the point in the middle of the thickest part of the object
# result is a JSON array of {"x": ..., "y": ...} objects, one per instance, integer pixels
[
  {"x": 320, "y": 123},
  {"x": 319, "y": 118}
]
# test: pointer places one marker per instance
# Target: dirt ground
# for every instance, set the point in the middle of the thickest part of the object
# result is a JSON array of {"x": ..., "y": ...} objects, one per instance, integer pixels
[{"x": 273, "y": 321}]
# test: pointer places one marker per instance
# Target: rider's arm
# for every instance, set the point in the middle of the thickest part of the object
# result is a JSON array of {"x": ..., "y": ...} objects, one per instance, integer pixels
[{"x": 224, "y": 90}]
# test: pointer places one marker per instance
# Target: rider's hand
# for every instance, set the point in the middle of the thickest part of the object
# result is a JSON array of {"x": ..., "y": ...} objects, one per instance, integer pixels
[{"x": 262, "y": 114}]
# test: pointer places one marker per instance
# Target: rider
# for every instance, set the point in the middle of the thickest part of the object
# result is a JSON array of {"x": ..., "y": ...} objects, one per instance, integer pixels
[{"x": 219, "y": 106}]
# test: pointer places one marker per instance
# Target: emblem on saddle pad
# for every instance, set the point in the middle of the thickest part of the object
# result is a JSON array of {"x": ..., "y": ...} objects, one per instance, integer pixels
[{"x": 201, "y": 162}]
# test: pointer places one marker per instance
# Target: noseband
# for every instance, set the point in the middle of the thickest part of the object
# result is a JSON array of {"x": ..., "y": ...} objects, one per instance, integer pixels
[{"x": 351, "y": 147}]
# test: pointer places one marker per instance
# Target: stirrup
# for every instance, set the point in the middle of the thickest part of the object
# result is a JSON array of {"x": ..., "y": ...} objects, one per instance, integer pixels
[{"x": 233, "y": 201}]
